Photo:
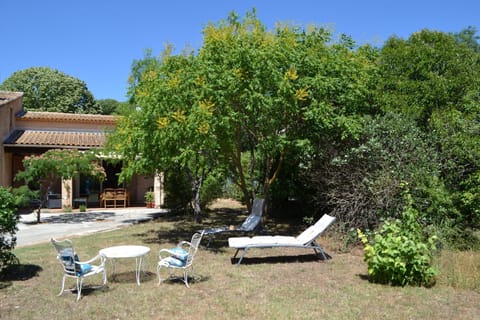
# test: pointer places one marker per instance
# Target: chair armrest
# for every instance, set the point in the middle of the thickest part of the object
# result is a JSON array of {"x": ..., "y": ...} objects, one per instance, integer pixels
[
  {"x": 99, "y": 257},
  {"x": 183, "y": 243},
  {"x": 166, "y": 253},
  {"x": 177, "y": 252}
]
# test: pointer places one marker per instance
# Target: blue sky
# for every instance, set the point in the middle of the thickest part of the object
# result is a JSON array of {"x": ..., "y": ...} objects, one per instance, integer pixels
[{"x": 97, "y": 40}]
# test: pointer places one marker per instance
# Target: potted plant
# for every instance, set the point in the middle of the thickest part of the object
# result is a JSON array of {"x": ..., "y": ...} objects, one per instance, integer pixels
[{"x": 150, "y": 199}]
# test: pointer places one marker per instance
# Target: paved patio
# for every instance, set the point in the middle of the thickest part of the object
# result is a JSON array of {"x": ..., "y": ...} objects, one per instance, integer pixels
[{"x": 61, "y": 225}]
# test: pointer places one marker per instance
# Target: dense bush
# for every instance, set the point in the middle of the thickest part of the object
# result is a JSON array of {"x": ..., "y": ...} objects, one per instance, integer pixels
[
  {"x": 457, "y": 136},
  {"x": 24, "y": 195},
  {"x": 433, "y": 77},
  {"x": 401, "y": 254},
  {"x": 179, "y": 191},
  {"x": 8, "y": 227},
  {"x": 213, "y": 187},
  {"x": 359, "y": 182}
]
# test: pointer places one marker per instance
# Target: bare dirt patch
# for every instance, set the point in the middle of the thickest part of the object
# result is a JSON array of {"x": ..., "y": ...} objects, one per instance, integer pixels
[{"x": 226, "y": 203}]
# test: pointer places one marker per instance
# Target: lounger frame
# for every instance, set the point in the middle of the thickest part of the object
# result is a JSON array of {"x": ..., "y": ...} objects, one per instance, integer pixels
[
  {"x": 314, "y": 245},
  {"x": 306, "y": 240}
]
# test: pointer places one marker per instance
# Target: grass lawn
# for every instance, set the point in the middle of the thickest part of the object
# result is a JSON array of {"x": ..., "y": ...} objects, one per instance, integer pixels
[{"x": 270, "y": 284}]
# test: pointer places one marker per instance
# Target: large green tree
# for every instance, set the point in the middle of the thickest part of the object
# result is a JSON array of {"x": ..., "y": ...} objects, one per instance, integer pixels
[
  {"x": 434, "y": 79},
  {"x": 46, "y": 89},
  {"x": 426, "y": 73},
  {"x": 172, "y": 126},
  {"x": 276, "y": 91},
  {"x": 246, "y": 100},
  {"x": 469, "y": 37},
  {"x": 113, "y": 107}
]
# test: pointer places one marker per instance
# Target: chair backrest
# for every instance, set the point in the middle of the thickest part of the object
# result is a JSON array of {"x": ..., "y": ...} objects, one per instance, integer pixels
[
  {"x": 257, "y": 206},
  {"x": 194, "y": 244},
  {"x": 66, "y": 255},
  {"x": 255, "y": 216},
  {"x": 312, "y": 232}
]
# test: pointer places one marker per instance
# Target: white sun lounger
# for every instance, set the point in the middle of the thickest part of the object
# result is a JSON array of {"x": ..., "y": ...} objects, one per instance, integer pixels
[{"x": 306, "y": 240}]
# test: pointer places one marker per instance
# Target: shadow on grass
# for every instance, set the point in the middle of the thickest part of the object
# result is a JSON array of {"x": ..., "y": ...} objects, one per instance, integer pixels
[
  {"x": 72, "y": 218},
  {"x": 130, "y": 277},
  {"x": 89, "y": 290},
  {"x": 174, "y": 280},
  {"x": 180, "y": 232},
  {"x": 183, "y": 227},
  {"x": 364, "y": 277},
  {"x": 224, "y": 217},
  {"x": 149, "y": 217},
  {"x": 18, "y": 272}
]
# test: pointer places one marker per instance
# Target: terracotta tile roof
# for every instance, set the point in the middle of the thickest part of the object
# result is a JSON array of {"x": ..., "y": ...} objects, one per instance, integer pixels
[
  {"x": 40, "y": 138},
  {"x": 6, "y": 96},
  {"x": 66, "y": 117}
]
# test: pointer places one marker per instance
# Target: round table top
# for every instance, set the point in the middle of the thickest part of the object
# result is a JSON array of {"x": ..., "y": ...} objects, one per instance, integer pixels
[{"x": 127, "y": 251}]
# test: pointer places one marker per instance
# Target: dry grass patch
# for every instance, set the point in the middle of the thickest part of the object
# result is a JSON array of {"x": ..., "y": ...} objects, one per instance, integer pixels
[{"x": 460, "y": 269}]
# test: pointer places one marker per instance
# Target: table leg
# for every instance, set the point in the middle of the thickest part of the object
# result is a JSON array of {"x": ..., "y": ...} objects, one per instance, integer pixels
[
  {"x": 138, "y": 267},
  {"x": 112, "y": 263}
]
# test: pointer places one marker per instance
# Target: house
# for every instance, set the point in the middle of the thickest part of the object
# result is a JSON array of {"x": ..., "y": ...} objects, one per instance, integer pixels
[{"x": 26, "y": 133}]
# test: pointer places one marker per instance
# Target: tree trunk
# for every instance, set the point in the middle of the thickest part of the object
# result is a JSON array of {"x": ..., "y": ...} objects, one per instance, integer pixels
[
  {"x": 237, "y": 159},
  {"x": 196, "y": 187},
  {"x": 197, "y": 210}
]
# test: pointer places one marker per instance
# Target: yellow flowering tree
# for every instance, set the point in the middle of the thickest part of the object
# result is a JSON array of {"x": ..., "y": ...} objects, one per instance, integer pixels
[
  {"x": 172, "y": 126},
  {"x": 250, "y": 99},
  {"x": 277, "y": 91}
]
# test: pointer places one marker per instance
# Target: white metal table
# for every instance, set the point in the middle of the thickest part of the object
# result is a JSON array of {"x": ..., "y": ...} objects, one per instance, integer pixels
[{"x": 127, "y": 251}]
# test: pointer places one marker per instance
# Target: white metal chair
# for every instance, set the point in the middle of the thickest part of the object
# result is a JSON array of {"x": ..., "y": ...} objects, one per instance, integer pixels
[
  {"x": 180, "y": 258},
  {"x": 73, "y": 268}
]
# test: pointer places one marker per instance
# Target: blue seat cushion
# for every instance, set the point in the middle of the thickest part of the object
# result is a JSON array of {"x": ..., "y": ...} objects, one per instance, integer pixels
[
  {"x": 179, "y": 253},
  {"x": 83, "y": 268},
  {"x": 70, "y": 258},
  {"x": 175, "y": 262}
]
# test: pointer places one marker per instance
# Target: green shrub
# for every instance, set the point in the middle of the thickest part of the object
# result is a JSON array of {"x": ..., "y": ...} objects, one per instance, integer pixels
[
  {"x": 23, "y": 195},
  {"x": 400, "y": 254},
  {"x": 178, "y": 193},
  {"x": 359, "y": 181},
  {"x": 212, "y": 187},
  {"x": 8, "y": 227}
]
